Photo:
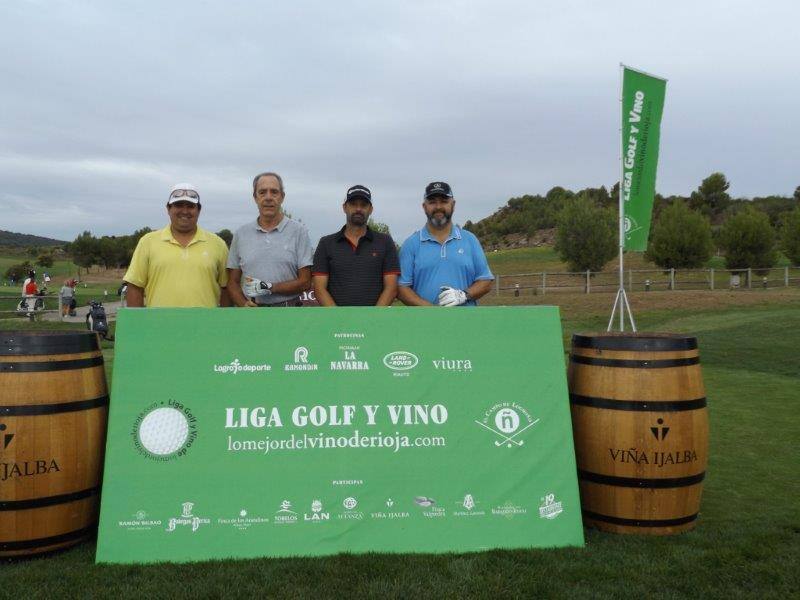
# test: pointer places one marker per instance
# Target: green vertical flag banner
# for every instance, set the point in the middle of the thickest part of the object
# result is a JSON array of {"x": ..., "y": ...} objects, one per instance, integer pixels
[
  {"x": 251, "y": 433},
  {"x": 642, "y": 107}
]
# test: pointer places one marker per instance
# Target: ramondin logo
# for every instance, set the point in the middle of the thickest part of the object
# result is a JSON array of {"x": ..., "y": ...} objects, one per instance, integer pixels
[
  {"x": 301, "y": 361},
  {"x": 400, "y": 360},
  {"x": 236, "y": 366},
  {"x": 507, "y": 420},
  {"x": 164, "y": 431}
]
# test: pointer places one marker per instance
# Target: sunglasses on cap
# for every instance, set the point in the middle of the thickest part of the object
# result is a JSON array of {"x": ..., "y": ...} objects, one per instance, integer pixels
[{"x": 184, "y": 194}]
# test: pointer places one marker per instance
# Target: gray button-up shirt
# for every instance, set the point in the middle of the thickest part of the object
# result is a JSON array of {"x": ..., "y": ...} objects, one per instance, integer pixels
[{"x": 271, "y": 256}]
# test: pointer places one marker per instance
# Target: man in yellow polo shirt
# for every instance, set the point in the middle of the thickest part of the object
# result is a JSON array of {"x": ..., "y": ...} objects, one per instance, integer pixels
[{"x": 182, "y": 264}]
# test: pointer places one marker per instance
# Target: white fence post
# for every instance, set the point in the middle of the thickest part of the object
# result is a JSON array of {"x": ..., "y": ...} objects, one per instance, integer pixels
[
  {"x": 497, "y": 286},
  {"x": 544, "y": 283},
  {"x": 630, "y": 280},
  {"x": 672, "y": 278},
  {"x": 785, "y": 276},
  {"x": 749, "y": 278},
  {"x": 712, "y": 278},
  {"x": 588, "y": 275}
]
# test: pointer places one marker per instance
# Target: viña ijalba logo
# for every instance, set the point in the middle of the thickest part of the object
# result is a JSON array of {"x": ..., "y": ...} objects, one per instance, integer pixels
[
  {"x": 507, "y": 420},
  {"x": 236, "y": 366}
]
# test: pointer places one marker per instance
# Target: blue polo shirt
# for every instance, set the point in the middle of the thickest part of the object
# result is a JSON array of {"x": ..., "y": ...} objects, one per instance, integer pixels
[{"x": 426, "y": 265}]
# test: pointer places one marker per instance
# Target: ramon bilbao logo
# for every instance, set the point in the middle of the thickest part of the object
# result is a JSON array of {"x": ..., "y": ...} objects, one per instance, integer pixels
[{"x": 508, "y": 421}]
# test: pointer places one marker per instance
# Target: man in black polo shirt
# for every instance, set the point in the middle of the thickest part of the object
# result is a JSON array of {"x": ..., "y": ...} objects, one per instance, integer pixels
[{"x": 356, "y": 266}]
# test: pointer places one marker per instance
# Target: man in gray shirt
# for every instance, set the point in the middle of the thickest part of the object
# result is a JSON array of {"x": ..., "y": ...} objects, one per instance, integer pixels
[{"x": 269, "y": 263}]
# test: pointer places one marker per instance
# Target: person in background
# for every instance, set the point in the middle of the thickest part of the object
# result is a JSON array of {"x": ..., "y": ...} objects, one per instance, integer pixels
[{"x": 67, "y": 295}]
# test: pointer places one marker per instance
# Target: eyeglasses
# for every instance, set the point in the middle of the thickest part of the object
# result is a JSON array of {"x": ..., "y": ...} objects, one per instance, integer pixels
[{"x": 182, "y": 193}]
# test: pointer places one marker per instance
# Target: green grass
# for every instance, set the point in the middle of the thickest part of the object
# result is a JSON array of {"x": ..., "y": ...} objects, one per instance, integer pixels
[{"x": 747, "y": 543}]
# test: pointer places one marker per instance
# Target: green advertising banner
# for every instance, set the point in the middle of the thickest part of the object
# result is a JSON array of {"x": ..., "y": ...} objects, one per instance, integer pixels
[
  {"x": 251, "y": 433},
  {"x": 642, "y": 107}
]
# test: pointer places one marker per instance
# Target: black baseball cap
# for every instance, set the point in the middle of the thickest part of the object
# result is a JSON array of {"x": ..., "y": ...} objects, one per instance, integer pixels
[
  {"x": 438, "y": 188},
  {"x": 359, "y": 192}
]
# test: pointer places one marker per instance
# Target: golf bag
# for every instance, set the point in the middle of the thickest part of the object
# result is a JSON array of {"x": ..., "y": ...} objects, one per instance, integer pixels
[
  {"x": 72, "y": 306},
  {"x": 96, "y": 319},
  {"x": 31, "y": 304}
]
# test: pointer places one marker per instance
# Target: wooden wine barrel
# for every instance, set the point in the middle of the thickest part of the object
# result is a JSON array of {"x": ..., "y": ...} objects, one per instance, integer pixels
[
  {"x": 53, "y": 414},
  {"x": 640, "y": 425}
]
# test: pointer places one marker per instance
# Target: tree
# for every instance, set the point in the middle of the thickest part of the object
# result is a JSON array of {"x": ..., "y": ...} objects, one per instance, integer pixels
[
  {"x": 18, "y": 272},
  {"x": 711, "y": 198},
  {"x": 587, "y": 235},
  {"x": 748, "y": 240},
  {"x": 790, "y": 235},
  {"x": 84, "y": 250},
  {"x": 226, "y": 235},
  {"x": 797, "y": 193},
  {"x": 45, "y": 259},
  {"x": 378, "y": 226},
  {"x": 681, "y": 238}
]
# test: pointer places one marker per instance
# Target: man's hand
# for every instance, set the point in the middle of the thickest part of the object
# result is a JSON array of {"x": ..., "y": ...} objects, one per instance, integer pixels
[
  {"x": 253, "y": 287},
  {"x": 452, "y": 296}
]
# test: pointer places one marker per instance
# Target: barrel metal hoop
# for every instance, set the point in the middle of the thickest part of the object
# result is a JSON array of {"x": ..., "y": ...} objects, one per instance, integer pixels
[
  {"x": 634, "y": 482},
  {"x": 640, "y": 522},
  {"x": 43, "y": 543},
  {"x": 29, "y": 410},
  {"x": 644, "y": 343},
  {"x": 48, "y": 500},
  {"x": 22, "y": 344},
  {"x": 634, "y": 364},
  {"x": 638, "y": 405},
  {"x": 54, "y": 365}
]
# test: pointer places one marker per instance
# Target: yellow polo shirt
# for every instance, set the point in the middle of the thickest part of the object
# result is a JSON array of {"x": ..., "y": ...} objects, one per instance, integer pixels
[{"x": 172, "y": 275}]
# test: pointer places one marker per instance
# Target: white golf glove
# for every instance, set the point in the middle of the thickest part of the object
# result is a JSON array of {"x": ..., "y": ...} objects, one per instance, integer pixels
[
  {"x": 253, "y": 287},
  {"x": 452, "y": 296}
]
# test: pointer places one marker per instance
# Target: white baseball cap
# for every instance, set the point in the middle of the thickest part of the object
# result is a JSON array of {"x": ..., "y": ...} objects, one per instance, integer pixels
[{"x": 188, "y": 194}]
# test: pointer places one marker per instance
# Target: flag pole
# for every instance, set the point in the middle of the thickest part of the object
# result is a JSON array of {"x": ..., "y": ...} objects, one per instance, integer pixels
[{"x": 621, "y": 300}]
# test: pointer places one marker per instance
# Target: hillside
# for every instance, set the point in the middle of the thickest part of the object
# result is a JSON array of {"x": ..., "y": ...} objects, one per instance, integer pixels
[{"x": 24, "y": 240}]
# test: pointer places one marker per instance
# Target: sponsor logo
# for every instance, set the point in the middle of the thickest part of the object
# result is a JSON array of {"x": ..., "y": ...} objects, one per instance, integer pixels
[
  {"x": 660, "y": 432},
  {"x": 350, "y": 361},
  {"x": 140, "y": 522},
  {"x": 236, "y": 366},
  {"x": 429, "y": 508},
  {"x": 507, "y": 420},
  {"x": 549, "y": 508},
  {"x": 164, "y": 431},
  {"x": 390, "y": 514},
  {"x": 509, "y": 510},
  {"x": 350, "y": 504},
  {"x": 659, "y": 459},
  {"x": 285, "y": 515},
  {"x": 243, "y": 520},
  {"x": 7, "y": 437},
  {"x": 317, "y": 514},
  {"x": 301, "y": 361},
  {"x": 470, "y": 507},
  {"x": 400, "y": 360},
  {"x": 452, "y": 364},
  {"x": 187, "y": 519}
]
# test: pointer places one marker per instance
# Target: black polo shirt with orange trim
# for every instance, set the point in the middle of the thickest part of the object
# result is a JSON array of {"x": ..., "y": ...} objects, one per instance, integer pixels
[{"x": 355, "y": 273}]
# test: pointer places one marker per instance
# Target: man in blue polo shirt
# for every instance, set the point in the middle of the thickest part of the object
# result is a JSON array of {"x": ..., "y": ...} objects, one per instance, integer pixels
[{"x": 442, "y": 264}]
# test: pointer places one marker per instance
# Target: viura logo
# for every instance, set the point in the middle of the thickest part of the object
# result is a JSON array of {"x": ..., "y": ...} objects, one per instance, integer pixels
[{"x": 236, "y": 366}]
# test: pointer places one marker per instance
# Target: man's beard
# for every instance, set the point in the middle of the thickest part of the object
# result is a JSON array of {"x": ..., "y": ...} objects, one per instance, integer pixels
[
  {"x": 357, "y": 219},
  {"x": 440, "y": 221}
]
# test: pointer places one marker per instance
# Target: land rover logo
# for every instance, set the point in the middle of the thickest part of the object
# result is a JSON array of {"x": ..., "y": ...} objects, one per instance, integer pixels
[{"x": 400, "y": 361}]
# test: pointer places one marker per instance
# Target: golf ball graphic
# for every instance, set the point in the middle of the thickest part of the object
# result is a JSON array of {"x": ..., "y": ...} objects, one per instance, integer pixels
[{"x": 164, "y": 431}]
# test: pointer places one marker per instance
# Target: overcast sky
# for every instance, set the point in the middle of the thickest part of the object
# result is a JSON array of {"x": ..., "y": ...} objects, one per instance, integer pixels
[{"x": 105, "y": 105}]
